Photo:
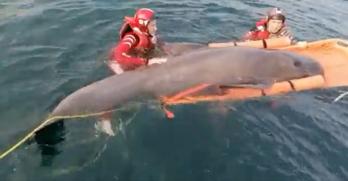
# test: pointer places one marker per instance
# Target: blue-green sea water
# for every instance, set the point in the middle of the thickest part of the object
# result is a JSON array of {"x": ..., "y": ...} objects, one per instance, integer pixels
[{"x": 50, "y": 48}]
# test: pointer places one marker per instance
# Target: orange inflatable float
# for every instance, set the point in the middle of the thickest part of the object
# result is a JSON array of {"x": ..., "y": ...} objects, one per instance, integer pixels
[
  {"x": 265, "y": 43},
  {"x": 332, "y": 54}
]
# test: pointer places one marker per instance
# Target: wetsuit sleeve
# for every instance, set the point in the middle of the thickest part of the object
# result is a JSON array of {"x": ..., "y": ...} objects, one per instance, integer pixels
[
  {"x": 122, "y": 51},
  {"x": 250, "y": 35}
]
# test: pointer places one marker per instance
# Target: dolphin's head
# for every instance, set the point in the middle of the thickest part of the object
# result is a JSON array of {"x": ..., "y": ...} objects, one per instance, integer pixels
[{"x": 293, "y": 66}]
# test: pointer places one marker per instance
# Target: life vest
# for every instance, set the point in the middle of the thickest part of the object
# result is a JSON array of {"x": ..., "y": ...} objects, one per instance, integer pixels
[{"x": 261, "y": 29}]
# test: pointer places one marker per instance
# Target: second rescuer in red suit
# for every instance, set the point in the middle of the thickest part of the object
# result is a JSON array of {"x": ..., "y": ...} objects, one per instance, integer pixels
[{"x": 272, "y": 27}]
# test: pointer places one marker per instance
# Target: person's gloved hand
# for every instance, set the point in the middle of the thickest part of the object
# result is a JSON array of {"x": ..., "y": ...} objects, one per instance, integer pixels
[
  {"x": 302, "y": 44},
  {"x": 157, "y": 61},
  {"x": 146, "y": 61},
  {"x": 115, "y": 67},
  {"x": 208, "y": 43}
]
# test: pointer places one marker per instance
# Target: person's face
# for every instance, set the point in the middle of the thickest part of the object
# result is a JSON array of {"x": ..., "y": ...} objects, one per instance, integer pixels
[
  {"x": 273, "y": 25},
  {"x": 152, "y": 27}
]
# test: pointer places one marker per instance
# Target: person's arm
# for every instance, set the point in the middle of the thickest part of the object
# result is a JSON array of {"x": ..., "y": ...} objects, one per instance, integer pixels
[
  {"x": 122, "y": 51},
  {"x": 294, "y": 41},
  {"x": 250, "y": 35},
  {"x": 253, "y": 34}
]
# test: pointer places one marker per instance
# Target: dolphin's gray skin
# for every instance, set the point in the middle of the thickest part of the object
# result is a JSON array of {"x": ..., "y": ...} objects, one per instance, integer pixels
[
  {"x": 176, "y": 49},
  {"x": 173, "y": 49},
  {"x": 229, "y": 66}
]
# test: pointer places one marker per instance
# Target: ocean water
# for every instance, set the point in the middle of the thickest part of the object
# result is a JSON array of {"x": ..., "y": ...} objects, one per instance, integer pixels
[{"x": 49, "y": 48}]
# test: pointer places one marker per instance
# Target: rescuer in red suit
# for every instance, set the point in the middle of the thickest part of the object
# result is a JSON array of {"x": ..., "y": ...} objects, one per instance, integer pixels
[{"x": 137, "y": 37}]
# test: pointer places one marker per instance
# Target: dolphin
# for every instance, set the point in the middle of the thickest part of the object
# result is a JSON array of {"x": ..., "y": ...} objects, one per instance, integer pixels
[{"x": 229, "y": 66}]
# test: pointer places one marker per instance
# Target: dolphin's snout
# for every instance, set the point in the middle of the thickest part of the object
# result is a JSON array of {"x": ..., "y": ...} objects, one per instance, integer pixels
[{"x": 313, "y": 69}]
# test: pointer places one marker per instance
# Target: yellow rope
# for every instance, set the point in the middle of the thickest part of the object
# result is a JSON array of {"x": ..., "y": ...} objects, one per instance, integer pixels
[{"x": 19, "y": 143}]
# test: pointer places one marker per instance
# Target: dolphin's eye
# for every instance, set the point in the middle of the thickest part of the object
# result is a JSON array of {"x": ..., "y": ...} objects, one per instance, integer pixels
[{"x": 297, "y": 64}]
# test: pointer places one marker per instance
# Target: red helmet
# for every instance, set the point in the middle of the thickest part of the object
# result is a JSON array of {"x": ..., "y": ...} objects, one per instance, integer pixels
[
  {"x": 276, "y": 13},
  {"x": 142, "y": 18}
]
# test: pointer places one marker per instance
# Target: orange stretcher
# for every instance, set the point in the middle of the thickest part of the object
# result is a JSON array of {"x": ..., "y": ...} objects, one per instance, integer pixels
[
  {"x": 332, "y": 54},
  {"x": 264, "y": 43}
]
